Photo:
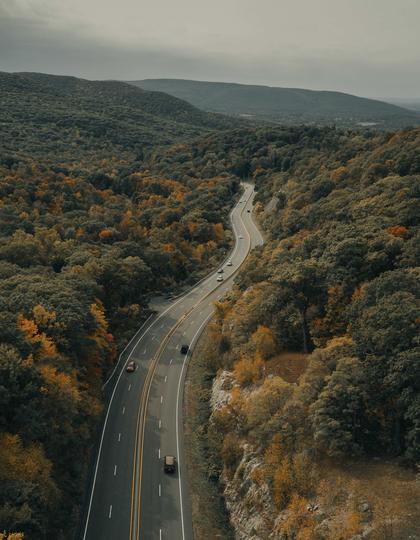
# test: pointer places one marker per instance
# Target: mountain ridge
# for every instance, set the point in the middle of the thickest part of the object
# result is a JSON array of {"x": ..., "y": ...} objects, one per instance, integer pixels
[
  {"x": 53, "y": 108},
  {"x": 281, "y": 104}
]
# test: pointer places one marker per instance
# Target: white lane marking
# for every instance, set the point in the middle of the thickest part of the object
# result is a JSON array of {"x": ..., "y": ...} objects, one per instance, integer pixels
[
  {"x": 160, "y": 424},
  {"x": 171, "y": 360},
  {"x": 115, "y": 470},
  {"x": 184, "y": 333},
  {"x": 161, "y": 399},
  {"x": 180, "y": 302},
  {"x": 159, "y": 453},
  {"x": 129, "y": 387},
  {"x": 166, "y": 378},
  {"x": 145, "y": 351},
  {"x": 160, "y": 490},
  {"x": 123, "y": 410},
  {"x": 177, "y": 347},
  {"x": 177, "y": 417},
  {"x": 160, "y": 534},
  {"x": 119, "y": 437},
  {"x": 110, "y": 511}
]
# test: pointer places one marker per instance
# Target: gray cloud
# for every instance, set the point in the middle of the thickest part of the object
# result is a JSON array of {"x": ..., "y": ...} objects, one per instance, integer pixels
[{"x": 367, "y": 47}]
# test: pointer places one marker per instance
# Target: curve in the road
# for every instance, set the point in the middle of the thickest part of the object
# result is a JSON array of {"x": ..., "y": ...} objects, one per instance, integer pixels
[{"x": 123, "y": 502}]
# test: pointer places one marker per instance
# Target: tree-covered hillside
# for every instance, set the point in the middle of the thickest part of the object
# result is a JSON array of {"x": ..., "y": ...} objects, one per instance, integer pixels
[
  {"x": 75, "y": 119},
  {"x": 284, "y": 105},
  {"x": 318, "y": 343},
  {"x": 87, "y": 232},
  {"x": 317, "y": 362}
]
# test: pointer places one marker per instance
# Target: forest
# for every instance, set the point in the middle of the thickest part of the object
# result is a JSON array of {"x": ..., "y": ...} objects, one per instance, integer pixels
[
  {"x": 317, "y": 363},
  {"x": 109, "y": 194},
  {"x": 87, "y": 233}
]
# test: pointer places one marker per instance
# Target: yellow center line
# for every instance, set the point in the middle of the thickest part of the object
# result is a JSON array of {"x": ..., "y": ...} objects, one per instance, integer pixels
[{"x": 141, "y": 415}]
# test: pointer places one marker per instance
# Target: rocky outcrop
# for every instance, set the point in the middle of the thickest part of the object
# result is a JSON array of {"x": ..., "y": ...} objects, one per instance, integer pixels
[
  {"x": 249, "y": 504},
  {"x": 252, "y": 512},
  {"x": 250, "y": 507}
]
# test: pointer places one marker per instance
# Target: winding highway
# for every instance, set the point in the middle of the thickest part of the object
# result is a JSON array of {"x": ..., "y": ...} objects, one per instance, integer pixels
[{"x": 130, "y": 497}]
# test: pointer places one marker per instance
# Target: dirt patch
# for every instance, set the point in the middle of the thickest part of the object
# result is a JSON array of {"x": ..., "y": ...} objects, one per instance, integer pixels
[
  {"x": 289, "y": 366},
  {"x": 382, "y": 494}
]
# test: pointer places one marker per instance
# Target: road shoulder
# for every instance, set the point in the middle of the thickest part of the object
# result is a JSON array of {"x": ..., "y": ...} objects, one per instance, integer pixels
[{"x": 209, "y": 515}]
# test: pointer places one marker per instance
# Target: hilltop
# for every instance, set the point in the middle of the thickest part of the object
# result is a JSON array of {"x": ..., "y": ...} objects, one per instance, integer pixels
[
  {"x": 286, "y": 105},
  {"x": 48, "y": 114}
]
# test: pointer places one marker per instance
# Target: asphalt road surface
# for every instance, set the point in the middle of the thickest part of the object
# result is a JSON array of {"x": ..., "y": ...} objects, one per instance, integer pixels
[{"x": 131, "y": 498}]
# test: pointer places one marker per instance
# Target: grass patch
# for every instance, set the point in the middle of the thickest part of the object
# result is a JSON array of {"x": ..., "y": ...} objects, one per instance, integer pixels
[{"x": 210, "y": 517}]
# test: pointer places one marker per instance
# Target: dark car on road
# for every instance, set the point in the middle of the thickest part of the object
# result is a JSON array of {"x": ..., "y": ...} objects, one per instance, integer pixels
[
  {"x": 169, "y": 464},
  {"x": 184, "y": 349}
]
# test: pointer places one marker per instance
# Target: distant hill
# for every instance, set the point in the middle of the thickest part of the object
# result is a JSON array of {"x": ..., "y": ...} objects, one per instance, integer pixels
[
  {"x": 288, "y": 105},
  {"x": 55, "y": 114}
]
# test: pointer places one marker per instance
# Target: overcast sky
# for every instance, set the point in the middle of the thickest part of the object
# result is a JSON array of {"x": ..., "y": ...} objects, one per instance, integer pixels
[{"x": 366, "y": 47}]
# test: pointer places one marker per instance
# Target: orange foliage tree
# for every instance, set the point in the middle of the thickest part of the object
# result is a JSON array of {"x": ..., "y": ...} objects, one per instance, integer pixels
[
  {"x": 46, "y": 346},
  {"x": 105, "y": 234},
  {"x": 398, "y": 230}
]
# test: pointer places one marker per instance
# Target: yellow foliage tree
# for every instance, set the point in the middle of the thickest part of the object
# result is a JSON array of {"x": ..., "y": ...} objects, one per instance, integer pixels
[
  {"x": 283, "y": 483},
  {"x": 218, "y": 231},
  {"x": 339, "y": 174},
  {"x": 44, "y": 318},
  {"x": 259, "y": 208},
  {"x": 27, "y": 464},
  {"x": 299, "y": 523},
  {"x": 103, "y": 340},
  {"x": 220, "y": 310},
  {"x": 263, "y": 341},
  {"x": 248, "y": 370},
  {"x": 274, "y": 452},
  {"x": 127, "y": 221},
  {"x": 61, "y": 383},
  {"x": 101, "y": 331},
  {"x": 199, "y": 252}
]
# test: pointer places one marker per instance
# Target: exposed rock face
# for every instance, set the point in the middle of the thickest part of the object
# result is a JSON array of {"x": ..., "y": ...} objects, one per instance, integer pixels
[
  {"x": 220, "y": 395},
  {"x": 251, "y": 509}
]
